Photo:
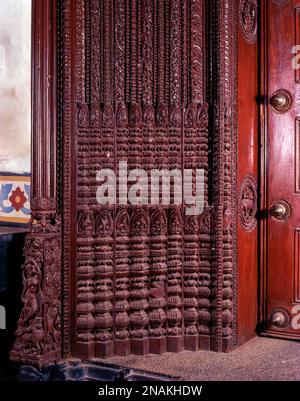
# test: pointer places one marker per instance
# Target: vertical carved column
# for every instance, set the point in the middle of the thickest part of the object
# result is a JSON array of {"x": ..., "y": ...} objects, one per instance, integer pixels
[
  {"x": 93, "y": 61},
  {"x": 85, "y": 285},
  {"x": 122, "y": 306},
  {"x": 38, "y": 334},
  {"x": 85, "y": 322},
  {"x": 94, "y": 148},
  {"x": 158, "y": 222},
  {"x": 161, "y": 135},
  {"x": 158, "y": 276},
  {"x": 191, "y": 238},
  {"x": 223, "y": 17},
  {"x": 140, "y": 221},
  {"x": 175, "y": 30},
  {"x": 95, "y": 51},
  {"x": 135, "y": 112},
  {"x": 104, "y": 215},
  {"x": 121, "y": 108},
  {"x": 191, "y": 278},
  {"x": 228, "y": 239},
  {"x": 175, "y": 341},
  {"x": 147, "y": 92},
  {"x": 83, "y": 183},
  {"x": 122, "y": 232},
  {"x": 104, "y": 291},
  {"x": 139, "y": 288},
  {"x": 202, "y": 148},
  {"x": 201, "y": 161},
  {"x": 85, "y": 224},
  {"x": 104, "y": 231}
]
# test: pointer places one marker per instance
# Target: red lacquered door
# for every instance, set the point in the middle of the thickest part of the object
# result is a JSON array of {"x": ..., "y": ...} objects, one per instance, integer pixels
[{"x": 282, "y": 274}]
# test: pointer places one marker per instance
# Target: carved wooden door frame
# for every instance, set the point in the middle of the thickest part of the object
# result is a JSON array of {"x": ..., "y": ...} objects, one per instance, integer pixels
[
  {"x": 39, "y": 328},
  {"x": 46, "y": 326},
  {"x": 263, "y": 166}
]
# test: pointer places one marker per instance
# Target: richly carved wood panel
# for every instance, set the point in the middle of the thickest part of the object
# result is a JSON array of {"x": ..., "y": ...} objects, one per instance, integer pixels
[
  {"x": 152, "y": 83},
  {"x": 140, "y": 95}
]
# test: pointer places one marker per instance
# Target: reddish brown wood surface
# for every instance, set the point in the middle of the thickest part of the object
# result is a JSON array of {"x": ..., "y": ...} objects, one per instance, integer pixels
[
  {"x": 247, "y": 171},
  {"x": 140, "y": 95},
  {"x": 281, "y": 285},
  {"x": 145, "y": 277}
]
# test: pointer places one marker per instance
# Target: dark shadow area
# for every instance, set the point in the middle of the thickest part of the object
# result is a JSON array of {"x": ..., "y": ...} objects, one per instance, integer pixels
[
  {"x": 71, "y": 370},
  {"x": 11, "y": 261}
]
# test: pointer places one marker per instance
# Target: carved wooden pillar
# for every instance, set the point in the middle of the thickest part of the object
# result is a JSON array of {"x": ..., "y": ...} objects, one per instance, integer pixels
[
  {"x": 223, "y": 93},
  {"x": 122, "y": 341},
  {"x": 139, "y": 293},
  {"x": 158, "y": 267},
  {"x": 38, "y": 333}
]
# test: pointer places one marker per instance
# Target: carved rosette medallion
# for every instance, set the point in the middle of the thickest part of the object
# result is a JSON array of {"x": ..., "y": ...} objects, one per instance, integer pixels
[
  {"x": 248, "y": 203},
  {"x": 248, "y": 19}
]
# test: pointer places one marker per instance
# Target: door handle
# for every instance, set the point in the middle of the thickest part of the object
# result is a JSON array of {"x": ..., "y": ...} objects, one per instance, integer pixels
[
  {"x": 281, "y": 101},
  {"x": 280, "y": 210}
]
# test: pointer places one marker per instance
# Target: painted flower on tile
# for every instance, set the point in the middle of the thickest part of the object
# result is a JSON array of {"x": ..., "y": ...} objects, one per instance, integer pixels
[
  {"x": 18, "y": 199},
  {"x": 15, "y": 198},
  {"x": 4, "y": 192}
]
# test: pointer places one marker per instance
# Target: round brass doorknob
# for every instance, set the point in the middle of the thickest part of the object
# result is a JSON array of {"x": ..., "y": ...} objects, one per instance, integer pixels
[
  {"x": 278, "y": 319},
  {"x": 280, "y": 210},
  {"x": 281, "y": 100},
  {"x": 278, "y": 101}
]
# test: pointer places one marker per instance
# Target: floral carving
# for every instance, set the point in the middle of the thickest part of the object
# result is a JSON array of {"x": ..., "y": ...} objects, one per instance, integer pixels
[
  {"x": 248, "y": 19},
  {"x": 248, "y": 203}
]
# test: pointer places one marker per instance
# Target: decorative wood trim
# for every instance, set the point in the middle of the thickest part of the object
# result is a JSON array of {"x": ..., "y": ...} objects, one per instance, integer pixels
[
  {"x": 224, "y": 22},
  {"x": 263, "y": 199},
  {"x": 38, "y": 333},
  {"x": 70, "y": 40}
]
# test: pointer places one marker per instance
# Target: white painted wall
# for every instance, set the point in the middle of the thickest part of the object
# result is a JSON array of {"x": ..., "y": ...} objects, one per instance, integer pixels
[{"x": 15, "y": 91}]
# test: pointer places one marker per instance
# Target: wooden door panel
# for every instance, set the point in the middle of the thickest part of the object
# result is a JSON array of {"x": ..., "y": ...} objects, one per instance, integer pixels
[{"x": 283, "y": 169}]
